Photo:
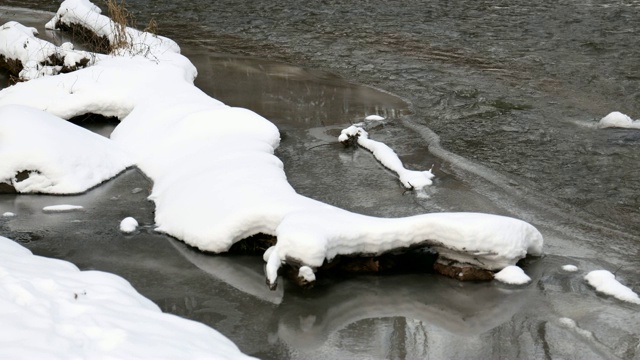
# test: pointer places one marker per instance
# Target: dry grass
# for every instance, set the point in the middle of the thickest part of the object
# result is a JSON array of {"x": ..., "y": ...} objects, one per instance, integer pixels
[{"x": 122, "y": 19}]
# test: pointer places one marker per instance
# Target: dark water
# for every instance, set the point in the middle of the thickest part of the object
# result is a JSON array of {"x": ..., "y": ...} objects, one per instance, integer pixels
[{"x": 500, "y": 97}]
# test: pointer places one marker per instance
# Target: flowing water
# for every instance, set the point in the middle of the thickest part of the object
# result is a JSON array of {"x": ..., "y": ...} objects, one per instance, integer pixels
[{"x": 500, "y": 97}]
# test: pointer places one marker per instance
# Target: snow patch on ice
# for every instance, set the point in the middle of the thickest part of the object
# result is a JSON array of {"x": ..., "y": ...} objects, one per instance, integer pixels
[
  {"x": 512, "y": 275},
  {"x": 605, "y": 282},
  {"x": 570, "y": 268},
  {"x": 374, "y": 118},
  {"x": 128, "y": 225},
  {"x": 410, "y": 179},
  {"x": 618, "y": 120},
  {"x": 572, "y": 325},
  {"x": 50, "y": 309},
  {"x": 61, "y": 208}
]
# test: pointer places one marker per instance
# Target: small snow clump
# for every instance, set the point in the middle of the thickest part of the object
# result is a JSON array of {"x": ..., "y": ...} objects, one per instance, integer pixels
[
  {"x": 128, "y": 225},
  {"x": 570, "y": 268},
  {"x": 374, "y": 118},
  {"x": 61, "y": 208},
  {"x": 512, "y": 275}
]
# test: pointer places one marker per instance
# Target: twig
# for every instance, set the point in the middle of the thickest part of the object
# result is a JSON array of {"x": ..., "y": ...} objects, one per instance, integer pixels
[{"x": 313, "y": 147}]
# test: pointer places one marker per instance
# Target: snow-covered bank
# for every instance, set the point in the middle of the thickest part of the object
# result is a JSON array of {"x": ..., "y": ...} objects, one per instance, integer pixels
[
  {"x": 52, "y": 310},
  {"x": 216, "y": 178},
  {"x": 618, "y": 120},
  {"x": 45, "y": 154}
]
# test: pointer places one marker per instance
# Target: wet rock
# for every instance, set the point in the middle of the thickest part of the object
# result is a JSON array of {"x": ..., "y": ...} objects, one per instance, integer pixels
[{"x": 463, "y": 273}]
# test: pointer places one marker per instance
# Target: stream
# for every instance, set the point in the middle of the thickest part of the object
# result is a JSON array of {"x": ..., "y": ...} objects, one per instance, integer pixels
[{"x": 500, "y": 98}]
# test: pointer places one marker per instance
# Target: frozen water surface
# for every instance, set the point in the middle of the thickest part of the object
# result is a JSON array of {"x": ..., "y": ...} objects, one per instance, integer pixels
[{"x": 514, "y": 94}]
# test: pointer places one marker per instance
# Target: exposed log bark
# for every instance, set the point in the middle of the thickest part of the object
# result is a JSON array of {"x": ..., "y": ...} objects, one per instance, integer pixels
[{"x": 463, "y": 273}]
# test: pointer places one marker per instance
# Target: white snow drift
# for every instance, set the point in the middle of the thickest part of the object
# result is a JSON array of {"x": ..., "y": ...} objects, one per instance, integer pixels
[
  {"x": 216, "y": 178},
  {"x": 52, "y": 310}
]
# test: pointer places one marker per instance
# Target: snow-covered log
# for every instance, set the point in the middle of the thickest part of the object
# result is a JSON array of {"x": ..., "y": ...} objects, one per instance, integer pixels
[
  {"x": 217, "y": 180},
  {"x": 410, "y": 179}
]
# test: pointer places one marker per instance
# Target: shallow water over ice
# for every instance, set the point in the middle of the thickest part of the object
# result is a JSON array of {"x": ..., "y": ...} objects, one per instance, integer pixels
[{"x": 513, "y": 92}]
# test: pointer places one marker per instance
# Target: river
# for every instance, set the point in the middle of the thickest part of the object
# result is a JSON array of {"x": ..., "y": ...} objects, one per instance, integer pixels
[{"x": 502, "y": 98}]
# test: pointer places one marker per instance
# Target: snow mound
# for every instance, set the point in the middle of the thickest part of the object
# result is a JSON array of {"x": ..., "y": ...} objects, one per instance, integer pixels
[
  {"x": 128, "y": 225},
  {"x": 61, "y": 208},
  {"x": 605, "y": 282},
  {"x": 618, "y": 120},
  {"x": 570, "y": 268},
  {"x": 512, "y": 275},
  {"x": 59, "y": 157},
  {"x": 52, "y": 310},
  {"x": 8, "y": 214}
]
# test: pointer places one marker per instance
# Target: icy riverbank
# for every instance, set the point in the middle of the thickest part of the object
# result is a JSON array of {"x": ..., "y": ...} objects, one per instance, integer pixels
[{"x": 216, "y": 180}]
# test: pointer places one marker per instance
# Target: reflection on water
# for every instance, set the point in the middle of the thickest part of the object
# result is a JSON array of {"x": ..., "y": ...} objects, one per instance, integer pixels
[{"x": 286, "y": 94}]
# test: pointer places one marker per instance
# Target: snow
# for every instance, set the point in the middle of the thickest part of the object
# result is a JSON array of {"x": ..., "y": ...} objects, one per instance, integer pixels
[
  {"x": 128, "y": 225},
  {"x": 605, "y": 282},
  {"x": 512, "y": 275},
  {"x": 8, "y": 214},
  {"x": 306, "y": 273},
  {"x": 19, "y": 42},
  {"x": 85, "y": 13},
  {"x": 618, "y": 120},
  {"x": 570, "y": 268},
  {"x": 374, "y": 118},
  {"x": 61, "y": 157},
  {"x": 573, "y": 326},
  {"x": 52, "y": 310},
  {"x": 61, "y": 208},
  {"x": 215, "y": 177},
  {"x": 410, "y": 179}
]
